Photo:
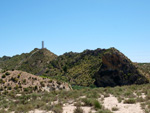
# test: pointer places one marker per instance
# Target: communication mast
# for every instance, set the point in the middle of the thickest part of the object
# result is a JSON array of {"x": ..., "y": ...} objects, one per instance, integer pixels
[{"x": 42, "y": 44}]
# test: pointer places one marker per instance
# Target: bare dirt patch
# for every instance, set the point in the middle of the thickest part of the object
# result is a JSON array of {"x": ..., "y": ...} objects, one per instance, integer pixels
[{"x": 112, "y": 102}]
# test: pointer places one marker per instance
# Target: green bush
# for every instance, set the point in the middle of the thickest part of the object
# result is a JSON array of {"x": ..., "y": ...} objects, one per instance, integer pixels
[
  {"x": 92, "y": 102},
  {"x": 42, "y": 84},
  {"x": 78, "y": 110},
  {"x": 14, "y": 79},
  {"x": 9, "y": 88},
  {"x": 103, "y": 111},
  {"x": 57, "y": 108},
  {"x": 7, "y": 73},
  {"x": 78, "y": 104},
  {"x": 3, "y": 76},
  {"x": 35, "y": 88},
  {"x": 16, "y": 87},
  {"x": 97, "y": 105},
  {"x": 87, "y": 102},
  {"x": 130, "y": 101},
  {"x": 115, "y": 109},
  {"x": 1, "y": 81},
  {"x": 24, "y": 81}
]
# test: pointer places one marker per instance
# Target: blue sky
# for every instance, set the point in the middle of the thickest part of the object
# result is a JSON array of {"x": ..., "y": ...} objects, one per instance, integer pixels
[{"x": 76, "y": 25}]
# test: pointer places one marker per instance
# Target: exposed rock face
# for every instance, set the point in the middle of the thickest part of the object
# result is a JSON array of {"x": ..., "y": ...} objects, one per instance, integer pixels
[
  {"x": 117, "y": 69},
  {"x": 23, "y": 81}
]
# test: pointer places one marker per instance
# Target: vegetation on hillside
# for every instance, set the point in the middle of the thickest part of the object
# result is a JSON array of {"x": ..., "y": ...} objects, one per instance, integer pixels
[
  {"x": 33, "y": 62},
  {"x": 144, "y": 69},
  {"x": 100, "y": 67},
  {"x": 24, "y": 82},
  {"x": 37, "y": 62}
]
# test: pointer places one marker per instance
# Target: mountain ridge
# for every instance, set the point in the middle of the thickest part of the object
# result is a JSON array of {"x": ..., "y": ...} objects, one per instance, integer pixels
[{"x": 100, "y": 67}]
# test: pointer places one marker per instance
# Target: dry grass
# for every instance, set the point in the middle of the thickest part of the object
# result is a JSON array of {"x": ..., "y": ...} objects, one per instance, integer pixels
[{"x": 54, "y": 100}]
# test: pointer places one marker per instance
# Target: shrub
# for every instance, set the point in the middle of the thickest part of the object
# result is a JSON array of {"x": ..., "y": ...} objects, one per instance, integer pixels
[
  {"x": 1, "y": 89},
  {"x": 103, "y": 111},
  {"x": 42, "y": 84},
  {"x": 7, "y": 73},
  {"x": 23, "y": 108},
  {"x": 35, "y": 88},
  {"x": 3, "y": 71},
  {"x": 87, "y": 102},
  {"x": 115, "y": 109},
  {"x": 9, "y": 88},
  {"x": 19, "y": 75},
  {"x": 140, "y": 99},
  {"x": 78, "y": 110},
  {"x": 24, "y": 81},
  {"x": 3, "y": 76},
  {"x": 57, "y": 108},
  {"x": 5, "y": 92},
  {"x": 20, "y": 86},
  {"x": 1, "y": 81},
  {"x": 78, "y": 104},
  {"x": 50, "y": 81},
  {"x": 130, "y": 101},
  {"x": 58, "y": 82},
  {"x": 148, "y": 96},
  {"x": 26, "y": 89},
  {"x": 16, "y": 87},
  {"x": 97, "y": 105},
  {"x": 106, "y": 95},
  {"x": 14, "y": 79},
  {"x": 92, "y": 102}
]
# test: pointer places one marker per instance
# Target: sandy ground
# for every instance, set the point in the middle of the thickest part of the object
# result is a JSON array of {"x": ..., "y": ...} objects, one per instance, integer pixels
[
  {"x": 109, "y": 103},
  {"x": 40, "y": 111},
  {"x": 71, "y": 108},
  {"x": 66, "y": 109},
  {"x": 112, "y": 102}
]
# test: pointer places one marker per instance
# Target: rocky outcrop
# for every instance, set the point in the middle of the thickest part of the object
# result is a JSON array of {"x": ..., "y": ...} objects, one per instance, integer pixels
[{"x": 117, "y": 69}]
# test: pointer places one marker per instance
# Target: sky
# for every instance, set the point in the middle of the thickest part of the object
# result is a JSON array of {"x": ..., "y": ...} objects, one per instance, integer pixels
[{"x": 76, "y": 25}]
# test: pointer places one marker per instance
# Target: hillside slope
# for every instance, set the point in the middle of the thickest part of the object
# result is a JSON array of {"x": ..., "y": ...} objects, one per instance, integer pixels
[
  {"x": 144, "y": 68},
  {"x": 100, "y": 67},
  {"x": 23, "y": 81},
  {"x": 33, "y": 62}
]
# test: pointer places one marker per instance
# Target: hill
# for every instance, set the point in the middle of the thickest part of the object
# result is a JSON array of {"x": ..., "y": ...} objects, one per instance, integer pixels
[
  {"x": 33, "y": 62},
  {"x": 144, "y": 68},
  {"x": 24, "y": 82},
  {"x": 4, "y": 58},
  {"x": 100, "y": 67}
]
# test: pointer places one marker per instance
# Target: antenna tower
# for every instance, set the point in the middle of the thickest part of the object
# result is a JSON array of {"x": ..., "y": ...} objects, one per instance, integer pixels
[{"x": 42, "y": 44}]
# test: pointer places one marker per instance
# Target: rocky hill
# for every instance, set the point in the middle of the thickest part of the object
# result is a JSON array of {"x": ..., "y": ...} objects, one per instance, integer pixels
[
  {"x": 100, "y": 67},
  {"x": 23, "y": 81},
  {"x": 33, "y": 62}
]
